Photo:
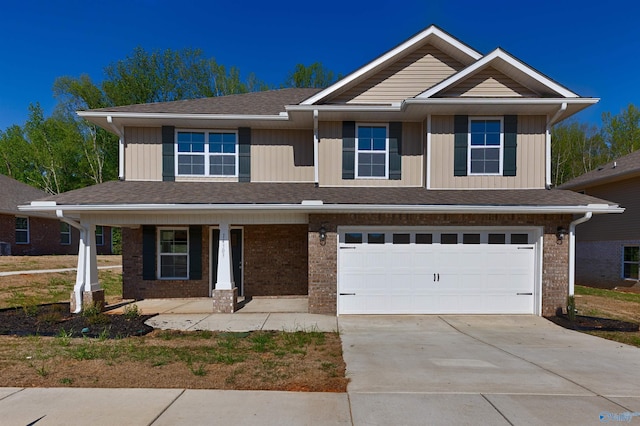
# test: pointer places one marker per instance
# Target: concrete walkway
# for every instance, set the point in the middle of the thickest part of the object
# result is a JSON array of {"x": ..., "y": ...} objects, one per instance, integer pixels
[
  {"x": 404, "y": 370},
  {"x": 51, "y": 271}
]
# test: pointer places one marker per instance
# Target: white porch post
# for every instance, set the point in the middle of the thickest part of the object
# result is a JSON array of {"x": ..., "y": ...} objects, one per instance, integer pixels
[
  {"x": 87, "y": 274},
  {"x": 225, "y": 271}
]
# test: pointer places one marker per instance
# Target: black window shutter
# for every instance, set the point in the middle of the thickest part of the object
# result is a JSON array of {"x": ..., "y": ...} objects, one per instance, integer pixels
[
  {"x": 195, "y": 252},
  {"x": 148, "y": 252},
  {"x": 395, "y": 150},
  {"x": 244, "y": 154},
  {"x": 214, "y": 255},
  {"x": 348, "y": 149},
  {"x": 461, "y": 142},
  {"x": 168, "y": 152},
  {"x": 510, "y": 145}
]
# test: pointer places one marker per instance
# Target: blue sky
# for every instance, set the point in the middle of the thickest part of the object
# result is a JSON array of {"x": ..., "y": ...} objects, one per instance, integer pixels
[{"x": 593, "y": 48}]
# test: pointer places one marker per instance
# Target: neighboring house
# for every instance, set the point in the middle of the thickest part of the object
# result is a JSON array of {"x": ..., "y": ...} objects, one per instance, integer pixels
[
  {"x": 608, "y": 247},
  {"x": 33, "y": 233},
  {"x": 416, "y": 184}
]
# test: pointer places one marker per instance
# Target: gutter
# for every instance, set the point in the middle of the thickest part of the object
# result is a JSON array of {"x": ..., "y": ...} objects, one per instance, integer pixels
[
  {"x": 78, "y": 288},
  {"x": 572, "y": 250},
  {"x": 121, "y": 145},
  {"x": 547, "y": 143}
]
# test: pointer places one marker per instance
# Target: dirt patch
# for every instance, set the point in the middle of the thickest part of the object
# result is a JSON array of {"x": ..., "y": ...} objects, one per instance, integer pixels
[{"x": 583, "y": 323}]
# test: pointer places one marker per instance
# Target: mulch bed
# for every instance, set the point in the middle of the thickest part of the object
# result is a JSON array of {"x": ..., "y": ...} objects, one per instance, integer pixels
[
  {"x": 585, "y": 323},
  {"x": 56, "y": 318}
]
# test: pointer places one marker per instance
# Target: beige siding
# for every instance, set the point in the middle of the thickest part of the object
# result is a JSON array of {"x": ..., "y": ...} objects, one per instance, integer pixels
[
  {"x": 612, "y": 227},
  {"x": 404, "y": 79},
  {"x": 143, "y": 153},
  {"x": 331, "y": 158},
  {"x": 530, "y": 157},
  {"x": 239, "y": 218},
  {"x": 281, "y": 155},
  {"x": 489, "y": 83}
]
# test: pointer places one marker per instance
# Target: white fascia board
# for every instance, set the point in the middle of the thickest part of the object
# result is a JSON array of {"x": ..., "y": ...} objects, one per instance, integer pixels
[
  {"x": 432, "y": 30},
  {"x": 326, "y": 208},
  {"x": 485, "y": 61},
  {"x": 501, "y": 101},
  {"x": 347, "y": 108},
  {"x": 169, "y": 116}
]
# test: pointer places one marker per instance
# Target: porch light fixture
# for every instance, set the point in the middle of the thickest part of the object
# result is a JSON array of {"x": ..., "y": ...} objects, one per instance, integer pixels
[
  {"x": 322, "y": 234},
  {"x": 560, "y": 234}
]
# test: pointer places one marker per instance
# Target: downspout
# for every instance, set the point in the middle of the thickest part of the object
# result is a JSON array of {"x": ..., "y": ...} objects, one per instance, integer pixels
[
  {"x": 120, "y": 134},
  {"x": 316, "y": 148},
  {"x": 547, "y": 145},
  {"x": 78, "y": 288},
  {"x": 572, "y": 250},
  {"x": 427, "y": 160}
]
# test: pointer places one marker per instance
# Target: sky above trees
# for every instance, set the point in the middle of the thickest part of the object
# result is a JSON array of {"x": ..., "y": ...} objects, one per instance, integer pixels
[{"x": 593, "y": 50}]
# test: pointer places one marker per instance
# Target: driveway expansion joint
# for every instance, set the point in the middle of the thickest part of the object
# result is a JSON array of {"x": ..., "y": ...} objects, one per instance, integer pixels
[
  {"x": 167, "y": 407},
  {"x": 497, "y": 409}
]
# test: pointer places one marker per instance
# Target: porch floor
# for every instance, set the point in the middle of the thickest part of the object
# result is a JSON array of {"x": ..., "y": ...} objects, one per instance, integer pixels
[{"x": 204, "y": 305}]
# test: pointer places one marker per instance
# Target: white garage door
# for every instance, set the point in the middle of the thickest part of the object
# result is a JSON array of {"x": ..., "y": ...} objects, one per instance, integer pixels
[{"x": 436, "y": 272}]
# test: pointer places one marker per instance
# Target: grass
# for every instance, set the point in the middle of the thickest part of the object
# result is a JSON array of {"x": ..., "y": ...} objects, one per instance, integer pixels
[{"x": 610, "y": 294}]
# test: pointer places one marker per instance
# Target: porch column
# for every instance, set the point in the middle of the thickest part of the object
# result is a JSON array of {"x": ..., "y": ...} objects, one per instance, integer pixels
[
  {"x": 225, "y": 294},
  {"x": 87, "y": 289}
]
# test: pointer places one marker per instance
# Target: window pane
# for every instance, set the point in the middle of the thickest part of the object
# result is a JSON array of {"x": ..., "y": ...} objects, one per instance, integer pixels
[
  {"x": 449, "y": 239},
  {"x": 492, "y": 139},
  {"x": 492, "y": 126},
  {"x": 173, "y": 266},
  {"x": 477, "y": 139},
  {"x": 191, "y": 164},
  {"x": 631, "y": 254},
  {"x": 470, "y": 238},
  {"x": 424, "y": 238},
  {"x": 491, "y": 153},
  {"x": 477, "y": 126},
  {"x": 497, "y": 239},
  {"x": 401, "y": 238},
  {"x": 631, "y": 270},
  {"x": 477, "y": 167},
  {"x": 519, "y": 238},
  {"x": 353, "y": 238},
  {"x": 22, "y": 223},
  {"x": 376, "y": 238},
  {"x": 492, "y": 166}
]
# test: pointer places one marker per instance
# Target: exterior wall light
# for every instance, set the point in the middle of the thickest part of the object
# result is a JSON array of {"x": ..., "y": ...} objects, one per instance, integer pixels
[
  {"x": 560, "y": 234},
  {"x": 322, "y": 234}
]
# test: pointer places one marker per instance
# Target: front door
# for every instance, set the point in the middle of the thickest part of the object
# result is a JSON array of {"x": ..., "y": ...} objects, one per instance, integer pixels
[{"x": 236, "y": 257}]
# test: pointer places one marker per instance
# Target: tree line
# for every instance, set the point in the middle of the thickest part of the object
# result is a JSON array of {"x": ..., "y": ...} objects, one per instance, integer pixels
[{"x": 61, "y": 152}]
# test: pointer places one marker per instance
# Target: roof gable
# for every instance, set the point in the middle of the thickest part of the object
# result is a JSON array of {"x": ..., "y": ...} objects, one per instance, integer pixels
[
  {"x": 488, "y": 82},
  {"x": 509, "y": 66},
  {"x": 433, "y": 35},
  {"x": 14, "y": 193}
]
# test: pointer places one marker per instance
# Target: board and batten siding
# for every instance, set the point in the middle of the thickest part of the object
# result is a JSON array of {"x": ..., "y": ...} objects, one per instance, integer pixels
[
  {"x": 282, "y": 155},
  {"x": 488, "y": 83},
  {"x": 614, "y": 227},
  {"x": 403, "y": 79},
  {"x": 330, "y": 161},
  {"x": 530, "y": 165},
  {"x": 143, "y": 153}
]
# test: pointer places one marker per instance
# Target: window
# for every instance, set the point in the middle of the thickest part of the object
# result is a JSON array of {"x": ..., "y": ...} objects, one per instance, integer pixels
[
  {"x": 22, "y": 230},
  {"x": 99, "y": 235},
  {"x": 485, "y": 146},
  {"x": 519, "y": 238},
  {"x": 401, "y": 238},
  {"x": 353, "y": 238},
  {"x": 65, "y": 234},
  {"x": 470, "y": 238},
  {"x": 424, "y": 238},
  {"x": 375, "y": 238},
  {"x": 448, "y": 238},
  {"x": 372, "y": 149},
  {"x": 173, "y": 253},
  {"x": 630, "y": 262},
  {"x": 497, "y": 239},
  {"x": 207, "y": 153}
]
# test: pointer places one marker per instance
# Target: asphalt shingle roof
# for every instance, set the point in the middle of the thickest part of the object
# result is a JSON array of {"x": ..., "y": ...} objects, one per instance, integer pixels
[
  {"x": 14, "y": 193},
  {"x": 271, "y": 102},
  {"x": 136, "y": 192},
  {"x": 622, "y": 168}
]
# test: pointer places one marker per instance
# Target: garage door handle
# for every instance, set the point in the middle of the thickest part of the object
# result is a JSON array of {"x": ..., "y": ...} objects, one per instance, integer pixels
[
  {"x": 524, "y": 294},
  {"x": 436, "y": 277},
  {"x": 525, "y": 248},
  {"x": 347, "y": 248},
  {"x": 347, "y": 294}
]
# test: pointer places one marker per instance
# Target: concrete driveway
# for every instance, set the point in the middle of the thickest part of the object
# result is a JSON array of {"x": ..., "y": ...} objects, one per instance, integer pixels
[{"x": 520, "y": 370}]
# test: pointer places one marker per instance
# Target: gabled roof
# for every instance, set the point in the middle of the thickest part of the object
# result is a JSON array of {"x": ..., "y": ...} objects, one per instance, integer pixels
[
  {"x": 510, "y": 66},
  {"x": 432, "y": 34},
  {"x": 623, "y": 168},
  {"x": 14, "y": 193}
]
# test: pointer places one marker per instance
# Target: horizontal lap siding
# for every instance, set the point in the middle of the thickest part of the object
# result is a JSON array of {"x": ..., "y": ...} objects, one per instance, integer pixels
[
  {"x": 530, "y": 157},
  {"x": 331, "y": 158},
  {"x": 489, "y": 83},
  {"x": 403, "y": 79},
  {"x": 282, "y": 156},
  {"x": 143, "y": 153}
]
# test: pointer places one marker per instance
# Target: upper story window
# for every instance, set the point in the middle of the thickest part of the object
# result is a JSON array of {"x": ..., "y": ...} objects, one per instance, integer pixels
[
  {"x": 485, "y": 146},
  {"x": 207, "y": 153},
  {"x": 22, "y": 230},
  {"x": 65, "y": 234},
  {"x": 372, "y": 145}
]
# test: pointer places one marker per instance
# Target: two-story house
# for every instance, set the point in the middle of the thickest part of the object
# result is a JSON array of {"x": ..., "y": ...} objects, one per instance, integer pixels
[{"x": 416, "y": 184}]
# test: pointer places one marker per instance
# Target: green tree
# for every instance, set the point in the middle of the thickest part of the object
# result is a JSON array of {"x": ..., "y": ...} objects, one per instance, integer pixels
[
  {"x": 314, "y": 75},
  {"x": 622, "y": 131},
  {"x": 15, "y": 154},
  {"x": 576, "y": 149}
]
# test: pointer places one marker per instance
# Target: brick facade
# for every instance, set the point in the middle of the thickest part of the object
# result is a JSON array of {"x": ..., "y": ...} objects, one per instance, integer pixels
[
  {"x": 323, "y": 258},
  {"x": 599, "y": 263},
  {"x": 44, "y": 237}
]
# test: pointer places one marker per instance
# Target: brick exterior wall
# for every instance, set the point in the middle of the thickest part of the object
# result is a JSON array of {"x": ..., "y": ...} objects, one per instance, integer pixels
[
  {"x": 275, "y": 260},
  {"x": 599, "y": 263},
  {"x": 44, "y": 237},
  {"x": 323, "y": 258}
]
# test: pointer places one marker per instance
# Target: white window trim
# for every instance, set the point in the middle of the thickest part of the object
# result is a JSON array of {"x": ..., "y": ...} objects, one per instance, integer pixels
[
  {"x": 207, "y": 155},
  {"x": 65, "y": 233},
  {"x": 624, "y": 262},
  {"x": 102, "y": 235},
  {"x": 22, "y": 230},
  {"x": 386, "y": 151},
  {"x": 159, "y": 253},
  {"x": 469, "y": 148}
]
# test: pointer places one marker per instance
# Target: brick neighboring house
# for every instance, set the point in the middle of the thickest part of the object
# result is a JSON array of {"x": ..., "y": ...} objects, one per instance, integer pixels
[
  {"x": 416, "y": 184},
  {"x": 33, "y": 233},
  {"x": 608, "y": 247}
]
